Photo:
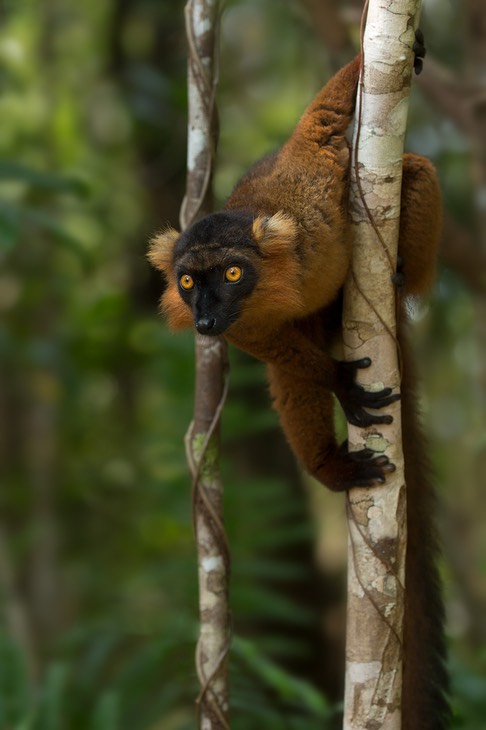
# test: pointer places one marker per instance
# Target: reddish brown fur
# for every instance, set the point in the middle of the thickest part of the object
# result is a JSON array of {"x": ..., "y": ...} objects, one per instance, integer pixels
[
  {"x": 420, "y": 224},
  {"x": 160, "y": 252},
  {"x": 298, "y": 198}
]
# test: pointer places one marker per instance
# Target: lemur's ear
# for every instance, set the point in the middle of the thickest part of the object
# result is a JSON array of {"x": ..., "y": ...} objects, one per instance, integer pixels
[
  {"x": 274, "y": 233},
  {"x": 161, "y": 248}
]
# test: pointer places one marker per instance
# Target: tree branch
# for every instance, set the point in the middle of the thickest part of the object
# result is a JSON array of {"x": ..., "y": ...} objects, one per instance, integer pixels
[
  {"x": 377, "y": 517},
  {"x": 202, "y": 440}
]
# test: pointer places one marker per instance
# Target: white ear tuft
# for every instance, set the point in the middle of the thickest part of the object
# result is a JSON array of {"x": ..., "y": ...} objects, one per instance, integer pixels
[
  {"x": 278, "y": 228},
  {"x": 161, "y": 248}
]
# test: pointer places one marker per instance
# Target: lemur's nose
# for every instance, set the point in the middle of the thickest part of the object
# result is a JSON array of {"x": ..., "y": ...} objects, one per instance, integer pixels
[{"x": 204, "y": 325}]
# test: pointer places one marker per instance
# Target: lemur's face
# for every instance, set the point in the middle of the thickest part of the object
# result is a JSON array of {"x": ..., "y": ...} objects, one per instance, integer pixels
[
  {"x": 214, "y": 286},
  {"x": 213, "y": 270},
  {"x": 216, "y": 265}
]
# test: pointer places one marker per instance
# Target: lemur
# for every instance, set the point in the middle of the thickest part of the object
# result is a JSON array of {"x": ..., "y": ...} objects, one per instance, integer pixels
[{"x": 267, "y": 274}]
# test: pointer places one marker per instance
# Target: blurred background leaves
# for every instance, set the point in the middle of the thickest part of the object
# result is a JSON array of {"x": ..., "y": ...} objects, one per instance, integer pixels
[{"x": 97, "y": 564}]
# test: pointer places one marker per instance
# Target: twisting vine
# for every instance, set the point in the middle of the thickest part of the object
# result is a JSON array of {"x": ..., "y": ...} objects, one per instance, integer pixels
[{"x": 202, "y": 439}]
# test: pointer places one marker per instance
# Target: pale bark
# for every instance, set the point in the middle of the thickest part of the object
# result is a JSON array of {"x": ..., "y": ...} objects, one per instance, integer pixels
[
  {"x": 203, "y": 446},
  {"x": 202, "y": 441},
  {"x": 377, "y": 516}
]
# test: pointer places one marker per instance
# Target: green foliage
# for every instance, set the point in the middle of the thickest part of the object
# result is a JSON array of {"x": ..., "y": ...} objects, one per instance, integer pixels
[
  {"x": 468, "y": 694},
  {"x": 14, "y": 685},
  {"x": 107, "y": 713},
  {"x": 90, "y": 693},
  {"x": 99, "y": 693},
  {"x": 293, "y": 694}
]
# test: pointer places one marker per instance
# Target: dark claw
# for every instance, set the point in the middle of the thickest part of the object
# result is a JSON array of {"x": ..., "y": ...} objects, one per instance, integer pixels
[
  {"x": 398, "y": 277},
  {"x": 398, "y": 280},
  {"x": 419, "y": 51},
  {"x": 361, "y": 455},
  {"x": 418, "y": 65},
  {"x": 350, "y": 367},
  {"x": 419, "y": 44},
  {"x": 365, "y": 362}
]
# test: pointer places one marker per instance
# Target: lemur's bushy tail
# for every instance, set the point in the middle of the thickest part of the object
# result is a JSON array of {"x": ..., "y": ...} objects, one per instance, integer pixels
[{"x": 425, "y": 680}]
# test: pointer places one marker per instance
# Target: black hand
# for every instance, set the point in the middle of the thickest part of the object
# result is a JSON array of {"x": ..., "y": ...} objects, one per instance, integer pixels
[{"x": 354, "y": 399}]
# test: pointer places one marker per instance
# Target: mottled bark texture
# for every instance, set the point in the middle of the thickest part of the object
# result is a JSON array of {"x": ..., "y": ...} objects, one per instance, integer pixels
[
  {"x": 203, "y": 447},
  {"x": 202, "y": 441},
  {"x": 377, "y": 517}
]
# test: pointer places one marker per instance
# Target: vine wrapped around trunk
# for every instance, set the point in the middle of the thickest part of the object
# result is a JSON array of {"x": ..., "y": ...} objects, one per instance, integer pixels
[{"x": 202, "y": 440}]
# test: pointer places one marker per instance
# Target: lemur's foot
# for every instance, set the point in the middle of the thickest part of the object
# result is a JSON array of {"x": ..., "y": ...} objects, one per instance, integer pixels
[
  {"x": 341, "y": 470},
  {"x": 419, "y": 51}
]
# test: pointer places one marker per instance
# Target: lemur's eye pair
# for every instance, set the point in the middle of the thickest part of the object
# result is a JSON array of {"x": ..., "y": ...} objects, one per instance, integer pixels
[{"x": 232, "y": 274}]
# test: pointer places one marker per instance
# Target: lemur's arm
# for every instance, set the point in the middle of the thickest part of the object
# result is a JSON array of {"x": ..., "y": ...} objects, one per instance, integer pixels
[{"x": 302, "y": 375}]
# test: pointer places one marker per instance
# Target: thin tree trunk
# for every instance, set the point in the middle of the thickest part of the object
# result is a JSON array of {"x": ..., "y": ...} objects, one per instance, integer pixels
[
  {"x": 202, "y": 441},
  {"x": 377, "y": 517}
]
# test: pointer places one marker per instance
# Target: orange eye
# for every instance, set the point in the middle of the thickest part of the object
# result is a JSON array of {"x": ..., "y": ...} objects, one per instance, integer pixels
[
  {"x": 233, "y": 274},
  {"x": 186, "y": 281}
]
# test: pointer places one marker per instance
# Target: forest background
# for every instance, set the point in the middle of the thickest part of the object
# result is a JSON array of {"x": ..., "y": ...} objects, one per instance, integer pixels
[{"x": 97, "y": 561}]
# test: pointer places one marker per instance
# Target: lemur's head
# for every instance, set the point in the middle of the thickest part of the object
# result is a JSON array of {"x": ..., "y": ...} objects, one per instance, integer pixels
[{"x": 229, "y": 267}]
